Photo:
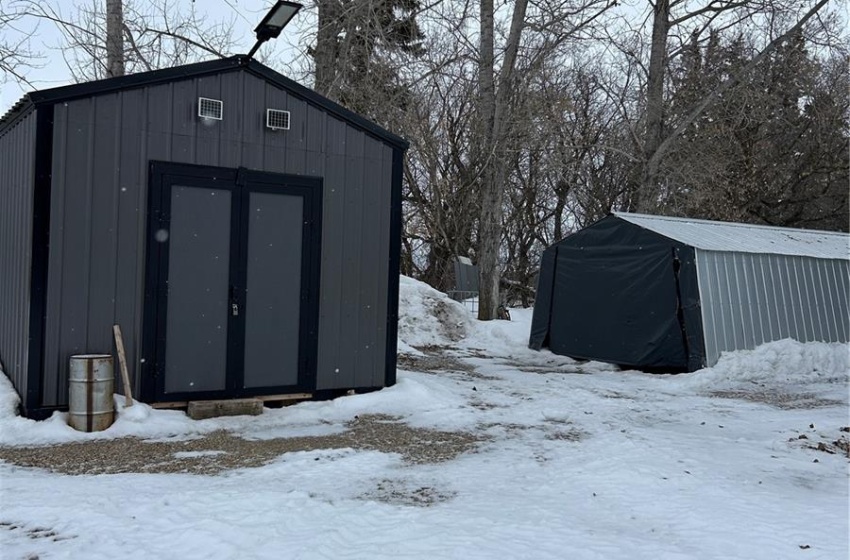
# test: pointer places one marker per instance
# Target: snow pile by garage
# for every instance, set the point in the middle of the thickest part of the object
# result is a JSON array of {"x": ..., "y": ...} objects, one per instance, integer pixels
[
  {"x": 9, "y": 399},
  {"x": 428, "y": 317},
  {"x": 783, "y": 363}
]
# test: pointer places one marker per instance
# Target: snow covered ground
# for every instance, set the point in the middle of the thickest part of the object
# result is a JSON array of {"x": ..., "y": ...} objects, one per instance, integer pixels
[{"x": 580, "y": 461}]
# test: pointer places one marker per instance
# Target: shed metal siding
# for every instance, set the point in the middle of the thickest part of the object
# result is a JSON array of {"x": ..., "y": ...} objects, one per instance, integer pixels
[
  {"x": 17, "y": 180},
  {"x": 102, "y": 146},
  {"x": 749, "y": 299}
]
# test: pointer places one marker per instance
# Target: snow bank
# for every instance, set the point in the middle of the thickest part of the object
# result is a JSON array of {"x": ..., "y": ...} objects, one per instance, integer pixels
[
  {"x": 423, "y": 399},
  {"x": 428, "y": 317},
  {"x": 16, "y": 430},
  {"x": 780, "y": 363},
  {"x": 9, "y": 399}
]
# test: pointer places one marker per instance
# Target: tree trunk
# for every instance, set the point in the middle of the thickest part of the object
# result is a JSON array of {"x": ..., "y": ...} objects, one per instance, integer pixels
[
  {"x": 114, "y": 38},
  {"x": 493, "y": 110},
  {"x": 325, "y": 53},
  {"x": 645, "y": 198},
  {"x": 488, "y": 228}
]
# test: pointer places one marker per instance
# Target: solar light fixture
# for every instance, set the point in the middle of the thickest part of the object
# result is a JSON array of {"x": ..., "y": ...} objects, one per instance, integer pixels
[{"x": 274, "y": 22}]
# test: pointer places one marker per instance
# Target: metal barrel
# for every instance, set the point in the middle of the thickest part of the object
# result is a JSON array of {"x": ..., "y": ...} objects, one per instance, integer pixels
[{"x": 90, "y": 393}]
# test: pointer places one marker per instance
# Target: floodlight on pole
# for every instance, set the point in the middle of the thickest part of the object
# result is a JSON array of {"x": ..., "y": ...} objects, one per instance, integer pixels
[{"x": 274, "y": 22}]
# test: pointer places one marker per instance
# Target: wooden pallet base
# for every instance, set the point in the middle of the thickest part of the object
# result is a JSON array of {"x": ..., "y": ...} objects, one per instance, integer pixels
[
  {"x": 277, "y": 401},
  {"x": 201, "y": 410},
  {"x": 266, "y": 400},
  {"x": 289, "y": 397}
]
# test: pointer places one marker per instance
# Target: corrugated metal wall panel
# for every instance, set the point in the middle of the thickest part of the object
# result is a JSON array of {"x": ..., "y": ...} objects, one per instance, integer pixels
[
  {"x": 749, "y": 299},
  {"x": 785, "y": 320},
  {"x": 252, "y": 134},
  {"x": 104, "y": 221},
  {"x": 130, "y": 226},
  {"x": 838, "y": 274},
  {"x": 352, "y": 260},
  {"x": 296, "y": 141},
  {"x": 17, "y": 176},
  {"x": 315, "y": 130},
  {"x": 53, "y": 305},
  {"x": 330, "y": 297},
  {"x": 382, "y": 271},
  {"x": 753, "y": 320},
  {"x": 829, "y": 301},
  {"x": 184, "y": 123},
  {"x": 230, "y": 129},
  {"x": 102, "y": 147},
  {"x": 369, "y": 280},
  {"x": 69, "y": 270}
]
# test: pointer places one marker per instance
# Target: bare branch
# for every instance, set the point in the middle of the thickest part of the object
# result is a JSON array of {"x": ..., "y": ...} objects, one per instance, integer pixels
[{"x": 734, "y": 79}]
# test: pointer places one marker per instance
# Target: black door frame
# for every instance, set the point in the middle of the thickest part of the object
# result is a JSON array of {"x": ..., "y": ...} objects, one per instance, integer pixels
[{"x": 241, "y": 181}]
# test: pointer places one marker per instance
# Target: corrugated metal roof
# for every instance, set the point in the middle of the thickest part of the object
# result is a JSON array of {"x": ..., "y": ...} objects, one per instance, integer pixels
[
  {"x": 22, "y": 106},
  {"x": 745, "y": 238}
]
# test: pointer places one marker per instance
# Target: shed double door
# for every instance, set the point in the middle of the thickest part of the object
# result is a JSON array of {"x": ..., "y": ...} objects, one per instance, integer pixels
[{"x": 232, "y": 282}]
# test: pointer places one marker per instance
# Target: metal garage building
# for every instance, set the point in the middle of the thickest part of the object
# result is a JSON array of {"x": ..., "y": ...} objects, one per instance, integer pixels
[
  {"x": 671, "y": 294},
  {"x": 243, "y": 230}
]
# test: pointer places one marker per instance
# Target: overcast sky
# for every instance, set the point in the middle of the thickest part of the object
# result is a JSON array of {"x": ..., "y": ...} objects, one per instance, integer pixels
[{"x": 53, "y": 72}]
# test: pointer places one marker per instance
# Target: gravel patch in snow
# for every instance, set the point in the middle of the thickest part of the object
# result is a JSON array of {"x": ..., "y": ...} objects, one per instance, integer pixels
[
  {"x": 779, "y": 399},
  {"x": 432, "y": 361},
  {"x": 220, "y": 451},
  {"x": 402, "y": 493}
]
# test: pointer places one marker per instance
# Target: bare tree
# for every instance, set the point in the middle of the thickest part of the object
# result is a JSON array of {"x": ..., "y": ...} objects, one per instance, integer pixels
[
  {"x": 469, "y": 135},
  {"x": 493, "y": 109},
  {"x": 774, "y": 148},
  {"x": 16, "y": 56},
  {"x": 358, "y": 49},
  {"x": 551, "y": 27},
  {"x": 154, "y": 34},
  {"x": 666, "y": 15},
  {"x": 441, "y": 172}
]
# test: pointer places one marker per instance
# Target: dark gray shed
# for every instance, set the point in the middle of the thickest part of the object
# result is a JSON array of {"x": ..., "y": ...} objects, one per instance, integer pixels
[{"x": 243, "y": 230}]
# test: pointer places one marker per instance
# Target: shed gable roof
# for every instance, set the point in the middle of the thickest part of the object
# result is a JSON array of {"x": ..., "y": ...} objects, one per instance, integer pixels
[
  {"x": 234, "y": 63},
  {"x": 745, "y": 238}
]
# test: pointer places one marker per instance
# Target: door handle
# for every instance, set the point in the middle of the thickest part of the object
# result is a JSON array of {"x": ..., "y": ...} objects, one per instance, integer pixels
[{"x": 234, "y": 305}]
